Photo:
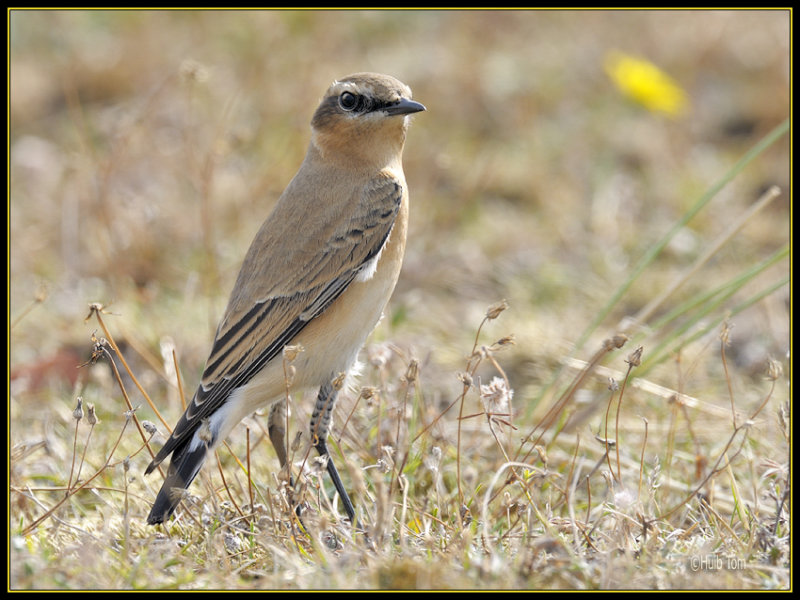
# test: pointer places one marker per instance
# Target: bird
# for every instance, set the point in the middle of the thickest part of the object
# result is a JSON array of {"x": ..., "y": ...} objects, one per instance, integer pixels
[{"x": 317, "y": 275}]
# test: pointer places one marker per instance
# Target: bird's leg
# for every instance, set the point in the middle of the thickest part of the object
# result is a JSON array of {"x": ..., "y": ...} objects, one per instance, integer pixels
[
  {"x": 320, "y": 424},
  {"x": 276, "y": 426}
]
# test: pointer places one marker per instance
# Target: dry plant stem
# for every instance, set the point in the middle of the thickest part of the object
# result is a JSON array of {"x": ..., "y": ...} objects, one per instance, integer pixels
[
  {"x": 572, "y": 484},
  {"x": 717, "y": 468},
  {"x": 500, "y": 370},
  {"x": 440, "y": 415},
  {"x": 673, "y": 416},
  {"x": 96, "y": 309},
  {"x": 30, "y": 528},
  {"x": 225, "y": 485},
  {"x": 616, "y": 421},
  {"x": 249, "y": 475},
  {"x": 499, "y": 443},
  {"x": 690, "y": 429},
  {"x": 347, "y": 419},
  {"x": 83, "y": 454},
  {"x": 293, "y": 504},
  {"x": 131, "y": 410},
  {"x": 641, "y": 459},
  {"x": 461, "y": 409},
  {"x": 485, "y": 520},
  {"x": 410, "y": 384},
  {"x": 605, "y": 435},
  {"x": 780, "y": 501},
  {"x": 608, "y": 345},
  {"x": 723, "y": 522},
  {"x": 126, "y": 528},
  {"x": 723, "y": 341},
  {"x": 588, "y": 498},
  {"x": 737, "y": 496},
  {"x": 178, "y": 379},
  {"x": 39, "y": 298},
  {"x": 140, "y": 349},
  {"x": 74, "y": 453}
]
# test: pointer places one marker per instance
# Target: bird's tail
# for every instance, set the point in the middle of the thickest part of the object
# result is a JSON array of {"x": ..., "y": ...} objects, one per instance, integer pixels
[{"x": 183, "y": 468}]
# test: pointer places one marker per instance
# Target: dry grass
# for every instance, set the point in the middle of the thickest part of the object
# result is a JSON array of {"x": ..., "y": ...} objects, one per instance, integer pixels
[{"x": 623, "y": 423}]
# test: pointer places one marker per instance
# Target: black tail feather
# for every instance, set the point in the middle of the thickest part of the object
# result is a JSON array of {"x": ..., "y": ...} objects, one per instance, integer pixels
[{"x": 182, "y": 470}]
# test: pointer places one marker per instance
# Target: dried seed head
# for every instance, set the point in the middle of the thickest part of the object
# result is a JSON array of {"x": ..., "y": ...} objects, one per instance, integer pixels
[
  {"x": 466, "y": 515},
  {"x": 129, "y": 413},
  {"x": 368, "y": 392},
  {"x": 654, "y": 478},
  {"x": 338, "y": 382},
  {"x": 291, "y": 352},
  {"x": 94, "y": 307},
  {"x": 542, "y": 454},
  {"x": 433, "y": 459},
  {"x": 495, "y": 309},
  {"x": 624, "y": 499},
  {"x": 635, "y": 358},
  {"x": 606, "y": 442},
  {"x": 465, "y": 378},
  {"x": 386, "y": 462},
  {"x": 618, "y": 341},
  {"x": 496, "y": 396},
  {"x": 149, "y": 427},
  {"x": 784, "y": 414},
  {"x": 412, "y": 371},
  {"x": 295, "y": 446},
  {"x": 508, "y": 340},
  {"x": 91, "y": 418},
  {"x": 774, "y": 369},
  {"x": 612, "y": 384},
  {"x": 725, "y": 333},
  {"x": 77, "y": 414}
]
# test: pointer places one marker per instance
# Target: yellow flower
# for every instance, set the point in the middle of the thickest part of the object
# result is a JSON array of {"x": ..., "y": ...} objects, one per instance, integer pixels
[{"x": 645, "y": 83}]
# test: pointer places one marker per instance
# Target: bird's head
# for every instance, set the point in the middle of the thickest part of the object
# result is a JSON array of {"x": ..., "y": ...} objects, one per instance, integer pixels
[{"x": 363, "y": 118}]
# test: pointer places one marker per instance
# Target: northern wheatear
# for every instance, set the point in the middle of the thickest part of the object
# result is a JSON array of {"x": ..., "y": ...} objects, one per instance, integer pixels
[{"x": 318, "y": 273}]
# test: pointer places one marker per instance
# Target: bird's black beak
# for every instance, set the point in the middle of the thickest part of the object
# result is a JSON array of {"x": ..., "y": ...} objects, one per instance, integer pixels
[{"x": 403, "y": 107}]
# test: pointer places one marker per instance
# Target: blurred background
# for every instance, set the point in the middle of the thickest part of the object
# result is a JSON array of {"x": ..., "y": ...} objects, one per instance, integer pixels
[{"x": 146, "y": 148}]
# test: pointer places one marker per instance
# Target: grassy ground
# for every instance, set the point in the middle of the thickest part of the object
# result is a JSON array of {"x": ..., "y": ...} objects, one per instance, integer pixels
[{"x": 145, "y": 149}]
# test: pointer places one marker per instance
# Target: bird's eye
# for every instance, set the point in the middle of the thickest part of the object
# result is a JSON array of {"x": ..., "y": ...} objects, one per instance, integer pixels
[{"x": 348, "y": 101}]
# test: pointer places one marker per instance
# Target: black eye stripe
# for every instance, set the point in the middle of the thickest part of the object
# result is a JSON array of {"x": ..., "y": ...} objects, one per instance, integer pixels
[{"x": 360, "y": 103}]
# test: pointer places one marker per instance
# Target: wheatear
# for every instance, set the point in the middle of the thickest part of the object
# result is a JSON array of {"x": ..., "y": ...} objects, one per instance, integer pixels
[{"x": 318, "y": 273}]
